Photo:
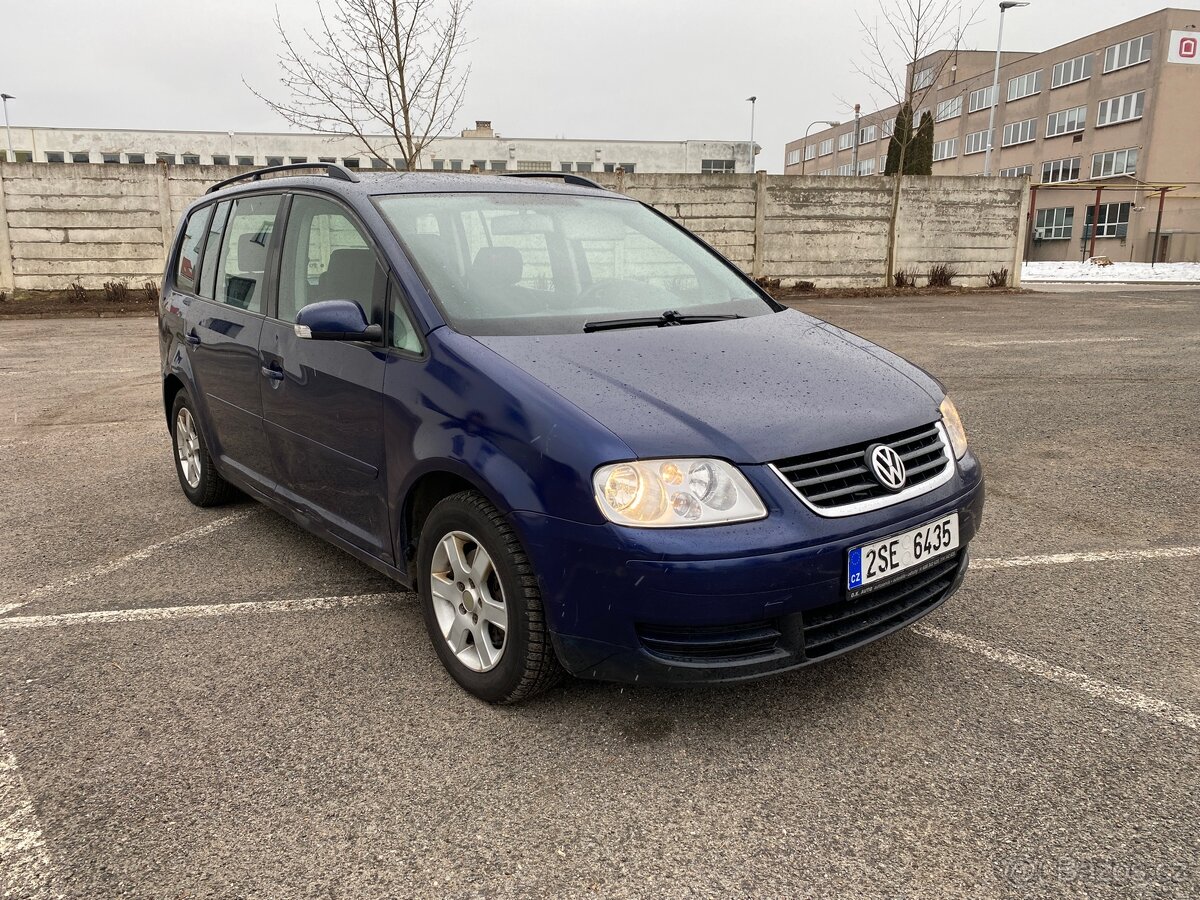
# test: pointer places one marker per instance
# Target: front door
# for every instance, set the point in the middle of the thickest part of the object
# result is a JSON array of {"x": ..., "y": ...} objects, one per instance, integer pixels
[
  {"x": 323, "y": 404},
  {"x": 223, "y": 328}
]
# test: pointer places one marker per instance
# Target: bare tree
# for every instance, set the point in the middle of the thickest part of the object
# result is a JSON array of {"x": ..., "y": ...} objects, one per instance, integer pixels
[
  {"x": 899, "y": 38},
  {"x": 388, "y": 73}
]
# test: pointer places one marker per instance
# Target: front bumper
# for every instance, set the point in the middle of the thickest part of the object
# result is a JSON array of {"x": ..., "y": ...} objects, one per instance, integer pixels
[{"x": 732, "y": 602}]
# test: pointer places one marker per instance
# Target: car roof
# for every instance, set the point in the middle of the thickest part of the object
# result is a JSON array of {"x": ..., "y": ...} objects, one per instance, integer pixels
[{"x": 374, "y": 184}]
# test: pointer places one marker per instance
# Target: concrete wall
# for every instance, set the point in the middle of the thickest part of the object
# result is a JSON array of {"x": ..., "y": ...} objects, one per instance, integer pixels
[{"x": 96, "y": 223}]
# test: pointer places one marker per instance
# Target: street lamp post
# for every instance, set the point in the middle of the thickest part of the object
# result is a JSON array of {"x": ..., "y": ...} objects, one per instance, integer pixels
[
  {"x": 804, "y": 150},
  {"x": 4, "y": 98},
  {"x": 752, "y": 101},
  {"x": 1005, "y": 6}
]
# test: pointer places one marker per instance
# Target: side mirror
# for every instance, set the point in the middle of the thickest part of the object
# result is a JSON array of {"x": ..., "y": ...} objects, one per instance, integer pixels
[{"x": 336, "y": 320}]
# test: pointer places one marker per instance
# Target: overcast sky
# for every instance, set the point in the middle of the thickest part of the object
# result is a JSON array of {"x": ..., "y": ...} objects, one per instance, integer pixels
[{"x": 651, "y": 69}]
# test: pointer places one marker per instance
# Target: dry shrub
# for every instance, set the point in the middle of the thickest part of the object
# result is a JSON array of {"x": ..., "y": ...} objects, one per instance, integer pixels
[
  {"x": 804, "y": 287},
  {"x": 904, "y": 279},
  {"x": 942, "y": 275},
  {"x": 116, "y": 291},
  {"x": 998, "y": 279},
  {"x": 150, "y": 289},
  {"x": 79, "y": 293}
]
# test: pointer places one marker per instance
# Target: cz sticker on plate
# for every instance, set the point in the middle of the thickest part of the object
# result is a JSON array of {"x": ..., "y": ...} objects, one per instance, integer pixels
[{"x": 882, "y": 560}]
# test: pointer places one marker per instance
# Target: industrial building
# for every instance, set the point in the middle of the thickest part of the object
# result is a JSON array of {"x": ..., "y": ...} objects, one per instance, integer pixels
[
  {"x": 480, "y": 147},
  {"x": 1100, "y": 125}
]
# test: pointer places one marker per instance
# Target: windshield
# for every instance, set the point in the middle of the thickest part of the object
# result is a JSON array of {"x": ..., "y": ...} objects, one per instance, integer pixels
[{"x": 516, "y": 263}]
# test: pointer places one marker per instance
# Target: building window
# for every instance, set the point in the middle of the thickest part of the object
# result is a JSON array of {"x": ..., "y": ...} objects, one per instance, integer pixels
[
  {"x": 111, "y": 158},
  {"x": 949, "y": 109},
  {"x": 1121, "y": 109},
  {"x": 866, "y": 166},
  {"x": 533, "y": 165},
  {"x": 377, "y": 163},
  {"x": 1054, "y": 224},
  {"x": 977, "y": 142},
  {"x": 981, "y": 99},
  {"x": 866, "y": 135},
  {"x": 846, "y": 141},
  {"x": 296, "y": 160},
  {"x": 793, "y": 157},
  {"x": 810, "y": 152},
  {"x": 55, "y": 156},
  {"x": 1114, "y": 220},
  {"x": 825, "y": 172},
  {"x": 136, "y": 159},
  {"x": 191, "y": 159},
  {"x": 847, "y": 169},
  {"x": 1115, "y": 162},
  {"x": 826, "y": 147},
  {"x": 583, "y": 167},
  {"x": 921, "y": 114},
  {"x": 1057, "y": 170},
  {"x": 327, "y": 159},
  {"x": 1071, "y": 71},
  {"x": 1129, "y": 53},
  {"x": 499, "y": 165},
  {"x": 455, "y": 165},
  {"x": 945, "y": 149},
  {"x": 168, "y": 158},
  {"x": 81, "y": 157},
  {"x": 220, "y": 159},
  {"x": 888, "y": 127},
  {"x": 924, "y": 78},
  {"x": 245, "y": 160},
  {"x": 274, "y": 160},
  {"x": 1016, "y": 172},
  {"x": 1020, "y": 132},
  {"x": 1066, "y": 121},
  {"x": 717, "y": 166},
  {"x": 351, "y": 162},
  {"x": 438, "y": 164},
  {"x": 1025, "y": 85}
]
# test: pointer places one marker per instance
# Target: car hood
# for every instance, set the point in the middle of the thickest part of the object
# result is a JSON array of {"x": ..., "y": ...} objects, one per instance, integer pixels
[{"x": 749, "y": 390}]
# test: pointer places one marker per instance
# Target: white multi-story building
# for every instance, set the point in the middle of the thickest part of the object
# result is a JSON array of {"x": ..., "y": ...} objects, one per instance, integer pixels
[{"x": 480, "y": 146}]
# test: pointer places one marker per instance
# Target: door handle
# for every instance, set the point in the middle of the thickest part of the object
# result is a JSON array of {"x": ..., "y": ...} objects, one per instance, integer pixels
[
  {"x": 272, "y": 373},
  {"x": 192, "y": 339}
]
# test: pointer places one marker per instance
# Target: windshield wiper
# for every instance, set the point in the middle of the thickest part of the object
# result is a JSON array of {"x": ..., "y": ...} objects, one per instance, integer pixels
[{"x": 669, "y": 317}]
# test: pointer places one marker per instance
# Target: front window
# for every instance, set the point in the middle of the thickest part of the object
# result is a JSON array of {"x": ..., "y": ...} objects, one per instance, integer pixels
[{"x": 515, "y": 263}]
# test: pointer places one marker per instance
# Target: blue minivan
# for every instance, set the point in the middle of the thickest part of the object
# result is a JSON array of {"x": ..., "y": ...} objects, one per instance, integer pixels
[{"x": 583, "y": 437}]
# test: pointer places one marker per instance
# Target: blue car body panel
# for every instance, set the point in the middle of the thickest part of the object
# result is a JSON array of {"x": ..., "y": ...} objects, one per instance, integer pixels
[{"x": 338, "y": 435}]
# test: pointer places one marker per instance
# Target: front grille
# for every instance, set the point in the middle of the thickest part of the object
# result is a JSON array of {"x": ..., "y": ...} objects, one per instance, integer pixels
[
  {"x": 711, "y": 642},
  {"x": 841, "y": 625},
  {"x": 833, "y": 479}
]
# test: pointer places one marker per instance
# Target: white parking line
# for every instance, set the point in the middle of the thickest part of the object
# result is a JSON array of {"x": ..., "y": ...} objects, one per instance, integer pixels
[
  {"x": 113, "y": 565},
  {"x": 1062, "y": 559},
  {"x": 1097, "y": 687},
  {"x": 24, "y": 860},
  {"x": 151, "y": 614},
  {"x": 1038, "y": 341}
]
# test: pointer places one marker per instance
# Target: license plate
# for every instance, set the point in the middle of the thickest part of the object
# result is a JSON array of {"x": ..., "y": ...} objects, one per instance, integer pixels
[{"x": 880, "y": 561}]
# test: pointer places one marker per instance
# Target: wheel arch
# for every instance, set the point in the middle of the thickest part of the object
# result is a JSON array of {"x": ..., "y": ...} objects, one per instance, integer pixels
[{"x": 424, "y": 492}]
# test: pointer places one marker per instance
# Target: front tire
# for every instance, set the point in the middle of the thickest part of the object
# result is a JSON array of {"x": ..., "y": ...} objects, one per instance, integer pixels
[
  {"x": 197, "y": 476},
  {"x": 481, "y": 602}
]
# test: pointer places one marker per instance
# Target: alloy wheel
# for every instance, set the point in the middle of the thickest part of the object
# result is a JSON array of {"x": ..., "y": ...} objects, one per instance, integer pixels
[{"x": 468, "y": 601}]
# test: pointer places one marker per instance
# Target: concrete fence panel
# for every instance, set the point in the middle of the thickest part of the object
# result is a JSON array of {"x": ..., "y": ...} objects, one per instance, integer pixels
[{"x": 88, "y": 224}]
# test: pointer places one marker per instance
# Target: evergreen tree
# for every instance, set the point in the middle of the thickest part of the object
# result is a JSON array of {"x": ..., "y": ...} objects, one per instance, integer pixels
[
  {"x": 901, "y": 137},
  {"x": 919, "y": 159}
]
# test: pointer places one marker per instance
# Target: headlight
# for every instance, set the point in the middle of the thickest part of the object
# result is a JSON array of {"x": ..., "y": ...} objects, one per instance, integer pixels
[
  {"x": 954, "y": 428},
  {"x": 675, "y": 493}
]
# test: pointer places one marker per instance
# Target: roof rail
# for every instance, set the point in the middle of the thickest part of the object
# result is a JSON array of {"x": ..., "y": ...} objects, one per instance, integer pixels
[
  {"x": 567, "y": 177},
  {"x": 333, "y": 170}
]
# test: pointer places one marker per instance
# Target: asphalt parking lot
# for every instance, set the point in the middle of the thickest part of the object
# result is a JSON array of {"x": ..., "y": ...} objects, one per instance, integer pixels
[{"x": 212, "y": 703}]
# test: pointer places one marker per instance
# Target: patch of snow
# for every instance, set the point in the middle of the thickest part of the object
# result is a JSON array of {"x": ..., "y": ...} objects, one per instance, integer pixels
[{"x": 1118, "y": 272}]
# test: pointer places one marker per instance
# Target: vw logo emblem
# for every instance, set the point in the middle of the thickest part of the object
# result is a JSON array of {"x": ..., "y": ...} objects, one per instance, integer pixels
[{"x": 887, "y": 466}]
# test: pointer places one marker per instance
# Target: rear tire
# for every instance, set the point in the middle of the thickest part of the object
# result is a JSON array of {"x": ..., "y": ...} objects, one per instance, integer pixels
[
  {"x": 481, "y": 602},
  {"x": 193, "y": 465}
]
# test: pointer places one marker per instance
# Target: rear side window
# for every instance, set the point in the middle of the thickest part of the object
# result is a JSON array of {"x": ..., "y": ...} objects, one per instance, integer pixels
[
  {"x": 326, "y": 257},
  {"x": 208, "y": 269},
  {"x": 187, "y": 272},
  {"x": 241, "y": 273}
]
